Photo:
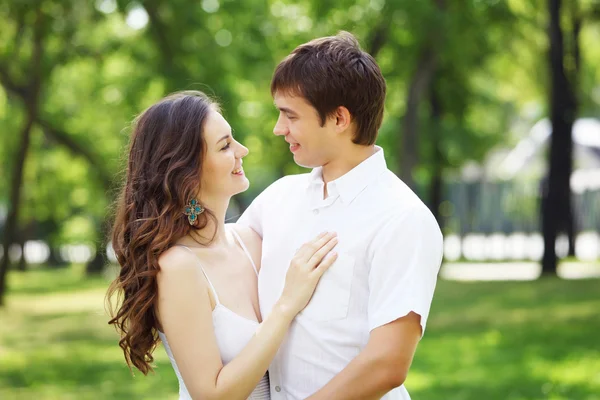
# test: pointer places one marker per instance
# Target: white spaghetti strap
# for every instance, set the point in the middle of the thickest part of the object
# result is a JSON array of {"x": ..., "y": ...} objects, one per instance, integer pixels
[
  {"x": 239, "y": 239},
  {"x": 204, "y": 272}
]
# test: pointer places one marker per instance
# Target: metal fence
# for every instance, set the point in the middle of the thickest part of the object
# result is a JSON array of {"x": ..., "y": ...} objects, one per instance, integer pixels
[{"x": 508, "y": 207}]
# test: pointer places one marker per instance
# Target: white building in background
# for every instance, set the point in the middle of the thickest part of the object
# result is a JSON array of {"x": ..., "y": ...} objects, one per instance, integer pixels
[
  {"x": 529, "y": 158},
  {"x": 526, "y": 165}
]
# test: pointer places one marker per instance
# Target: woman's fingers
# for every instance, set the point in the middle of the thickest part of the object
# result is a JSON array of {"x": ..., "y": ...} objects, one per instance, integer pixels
[
  {"x": 311, "y": 247},
  {"x": 320, "y": 254},
  {"x": 327, "y": 262}
]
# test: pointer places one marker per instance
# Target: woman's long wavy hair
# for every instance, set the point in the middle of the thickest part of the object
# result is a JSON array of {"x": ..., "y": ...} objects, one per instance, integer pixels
[{"x": 163, "y": 174}]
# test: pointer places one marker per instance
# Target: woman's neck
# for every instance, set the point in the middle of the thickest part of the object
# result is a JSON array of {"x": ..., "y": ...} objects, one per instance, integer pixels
[{"x": 216, "y": 226}]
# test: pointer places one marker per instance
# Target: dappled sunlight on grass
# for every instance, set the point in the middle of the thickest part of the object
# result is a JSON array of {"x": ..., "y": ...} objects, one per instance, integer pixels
[
  {"x": 58, "y": 345},
  {"x": 90, "y": 300},
  {"x": 47, "y": 280},
  {"x": 484, "y": 340},
  {"x": 517, "y": 340}
]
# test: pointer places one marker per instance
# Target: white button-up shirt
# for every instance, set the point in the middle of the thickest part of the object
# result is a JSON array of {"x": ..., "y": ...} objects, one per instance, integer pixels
[{"x": 390, "y": 250}]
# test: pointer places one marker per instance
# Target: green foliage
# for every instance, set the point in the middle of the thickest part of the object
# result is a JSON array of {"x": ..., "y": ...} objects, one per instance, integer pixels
[{"x": 98, "y": 72}]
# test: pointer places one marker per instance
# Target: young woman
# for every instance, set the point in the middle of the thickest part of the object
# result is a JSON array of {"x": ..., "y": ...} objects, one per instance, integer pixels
[{"x": 187, "y": 278}]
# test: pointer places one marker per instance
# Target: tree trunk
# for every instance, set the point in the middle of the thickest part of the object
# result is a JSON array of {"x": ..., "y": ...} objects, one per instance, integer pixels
[
  {"x": 571, "y": 230},
  {"x": 96, "y": 265},
  {"x": 54, "y": 258},
  {"x": 419, "y": 86},
  {"x": 22, "y": 265},
  {"x": 436, "y": 184},
  {"x": 576, "y": 21},
  {"x": 558, "y": 199},
  {"x": 378, "y": 37},
  {"x": 26, "y": 233},
  {"x": 10, "y": 227},
  {"x": 435, "y": 190},
  {"x": 29, "y": 95},
  {"x": 409, "y": 149}
]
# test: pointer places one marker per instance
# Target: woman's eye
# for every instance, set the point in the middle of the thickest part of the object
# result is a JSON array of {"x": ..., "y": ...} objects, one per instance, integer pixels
[{"x": 228, "y": 145}]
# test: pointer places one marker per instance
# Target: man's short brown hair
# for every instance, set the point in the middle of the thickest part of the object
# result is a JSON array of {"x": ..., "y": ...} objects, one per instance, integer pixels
[{"x": 333, "y": 71}]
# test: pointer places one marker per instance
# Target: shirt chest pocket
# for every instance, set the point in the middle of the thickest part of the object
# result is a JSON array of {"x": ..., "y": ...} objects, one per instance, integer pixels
[{"x": 331, "y": 298}]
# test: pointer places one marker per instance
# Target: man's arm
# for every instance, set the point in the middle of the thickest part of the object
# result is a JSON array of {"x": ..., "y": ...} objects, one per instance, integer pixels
[
  {"x": 381, "y": 366},
  {"x": 406, "y": 256}
]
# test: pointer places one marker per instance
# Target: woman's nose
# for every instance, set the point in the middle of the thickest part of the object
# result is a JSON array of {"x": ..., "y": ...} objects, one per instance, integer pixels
[{"x": 243, "y": 151}]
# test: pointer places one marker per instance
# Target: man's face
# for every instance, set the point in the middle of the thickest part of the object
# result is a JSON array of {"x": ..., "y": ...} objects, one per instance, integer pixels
[{"x": 299, "y": 123}]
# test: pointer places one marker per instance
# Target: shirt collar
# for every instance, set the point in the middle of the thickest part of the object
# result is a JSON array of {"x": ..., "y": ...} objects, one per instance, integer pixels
[{"x": 349, "y": 185}]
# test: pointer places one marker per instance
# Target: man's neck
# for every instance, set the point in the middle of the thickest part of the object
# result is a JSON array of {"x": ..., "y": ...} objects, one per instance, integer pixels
[{"x": 344, "y": 163}]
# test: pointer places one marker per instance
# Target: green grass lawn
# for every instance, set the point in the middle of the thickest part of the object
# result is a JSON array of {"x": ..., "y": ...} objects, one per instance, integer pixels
[{"x": 484, "y": 341}]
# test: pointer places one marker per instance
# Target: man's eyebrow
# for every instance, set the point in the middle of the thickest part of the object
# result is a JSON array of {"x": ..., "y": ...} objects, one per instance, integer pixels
[{"x": 287, "y": 110}]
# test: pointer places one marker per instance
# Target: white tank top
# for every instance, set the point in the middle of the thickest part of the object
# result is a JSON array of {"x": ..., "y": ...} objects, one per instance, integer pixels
[{"x": 232, "y": 331}]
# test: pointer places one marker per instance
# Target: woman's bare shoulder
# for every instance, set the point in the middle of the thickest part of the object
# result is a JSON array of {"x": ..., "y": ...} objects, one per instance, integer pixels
[
  {"x": 179, "y": 265},
  {"x": 251, "y": 239},
  {"x": 178, "y": 260}
]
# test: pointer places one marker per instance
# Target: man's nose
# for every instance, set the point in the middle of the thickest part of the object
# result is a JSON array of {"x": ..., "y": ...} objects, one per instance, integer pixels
[{"x": 280, "y": 128}]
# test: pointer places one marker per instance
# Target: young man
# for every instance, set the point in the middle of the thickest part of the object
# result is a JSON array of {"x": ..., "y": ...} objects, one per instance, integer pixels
[{"x": 357, "y": 337}]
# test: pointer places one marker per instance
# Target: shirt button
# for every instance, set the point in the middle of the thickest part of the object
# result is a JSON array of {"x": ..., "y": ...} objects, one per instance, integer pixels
[
  {"x": 277, "y": 389},
  {"x": 316, "y": 212}
]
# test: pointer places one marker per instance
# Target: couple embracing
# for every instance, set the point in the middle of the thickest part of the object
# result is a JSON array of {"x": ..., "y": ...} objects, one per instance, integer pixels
[{"x": 322, "y": 288}]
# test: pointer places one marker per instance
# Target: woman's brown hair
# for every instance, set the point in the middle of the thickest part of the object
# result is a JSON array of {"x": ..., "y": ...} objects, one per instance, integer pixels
[{"x": 163, "y": 174}]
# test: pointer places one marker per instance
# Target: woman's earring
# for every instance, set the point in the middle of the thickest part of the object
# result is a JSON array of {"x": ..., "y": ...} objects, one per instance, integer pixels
[{"x": 192, "y": 210}]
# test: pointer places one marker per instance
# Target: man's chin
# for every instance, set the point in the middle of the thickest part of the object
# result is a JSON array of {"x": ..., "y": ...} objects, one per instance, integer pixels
[{"x": 305, "y": 163}]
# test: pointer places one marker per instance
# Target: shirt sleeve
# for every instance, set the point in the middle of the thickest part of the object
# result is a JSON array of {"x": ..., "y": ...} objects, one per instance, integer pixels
[
  {"x": 406, "y": 258},
  {"x": 253, "y": 215}
]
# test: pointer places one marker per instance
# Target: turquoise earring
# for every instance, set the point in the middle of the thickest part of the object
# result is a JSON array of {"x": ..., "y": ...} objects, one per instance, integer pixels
[{"x": 192, "y": 210}]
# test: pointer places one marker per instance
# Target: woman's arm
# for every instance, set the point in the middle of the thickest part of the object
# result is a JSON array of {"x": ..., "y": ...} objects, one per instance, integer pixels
[{"x": 186, "y": 316}]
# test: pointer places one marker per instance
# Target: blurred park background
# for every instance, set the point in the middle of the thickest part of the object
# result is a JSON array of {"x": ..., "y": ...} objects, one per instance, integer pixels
[{"x": 492, "y": 116}]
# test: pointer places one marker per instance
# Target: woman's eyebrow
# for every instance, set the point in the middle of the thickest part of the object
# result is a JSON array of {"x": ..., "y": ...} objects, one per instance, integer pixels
[{"x": 224, "y": 137}]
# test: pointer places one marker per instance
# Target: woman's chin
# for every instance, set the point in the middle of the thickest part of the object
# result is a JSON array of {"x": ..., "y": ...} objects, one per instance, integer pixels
[{"x": 242, "y": 186}]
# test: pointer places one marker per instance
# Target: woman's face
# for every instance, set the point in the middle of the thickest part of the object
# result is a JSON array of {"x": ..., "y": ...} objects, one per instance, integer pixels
[{"x": 222, "y": 173}]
